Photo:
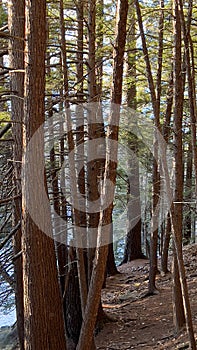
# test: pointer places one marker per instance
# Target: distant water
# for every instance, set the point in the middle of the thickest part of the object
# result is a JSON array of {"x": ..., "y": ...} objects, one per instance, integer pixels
[{"x": 9, "y": 319}]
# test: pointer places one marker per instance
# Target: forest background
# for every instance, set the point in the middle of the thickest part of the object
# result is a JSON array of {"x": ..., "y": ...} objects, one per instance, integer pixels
[{"x": 98, "y": 155}]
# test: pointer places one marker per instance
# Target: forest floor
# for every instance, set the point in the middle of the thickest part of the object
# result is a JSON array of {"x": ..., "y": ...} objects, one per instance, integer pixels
[
  {"x": 136, "y": 321},
  {"x": 140, "y": 322}
]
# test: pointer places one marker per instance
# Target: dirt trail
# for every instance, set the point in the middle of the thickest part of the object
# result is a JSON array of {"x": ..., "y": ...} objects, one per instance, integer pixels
[{"x": 145, "y": 323}]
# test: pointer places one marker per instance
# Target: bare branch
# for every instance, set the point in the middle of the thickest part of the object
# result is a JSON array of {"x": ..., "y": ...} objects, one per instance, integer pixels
[
  {"x": 5, "y": 129},
  {"x": 12, "y": 232},
  {"x": 6, "y": 276},
  {"x": 9, "y": 199}
]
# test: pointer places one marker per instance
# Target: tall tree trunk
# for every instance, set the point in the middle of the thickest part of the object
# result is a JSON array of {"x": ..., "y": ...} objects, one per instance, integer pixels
[
  {"x": 111, "y": 265},
  {"x": 191, "y": 79},
  {"x": 178, "y": 248},
  {"x": 99, "y": 43},
  {"x": 43, "y": 312},
  {"x": 16, "y": 14},
  {"x": 81, "y": 218},
  {"x": 166, "y": 135},
  {"x": 133, "y": 249},
  {"x": 95, "y": 167},
  {"x": 187, "y": 230},
  {"x": 155, "y": 99},
  {"x": 179, "y": 318},
  {"x": 80, "y": 49},
  {"x": 98, "y": 272},
  {"x": 176, "y": 211},
  {"x": 77, "y": 289}
]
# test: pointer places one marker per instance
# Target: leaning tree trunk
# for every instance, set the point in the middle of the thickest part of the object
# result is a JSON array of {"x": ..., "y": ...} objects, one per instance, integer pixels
[
  {"x": 98, "y": 271},
  {"x": 166, "y": 135},
  {"x": 167, "y": 236}
]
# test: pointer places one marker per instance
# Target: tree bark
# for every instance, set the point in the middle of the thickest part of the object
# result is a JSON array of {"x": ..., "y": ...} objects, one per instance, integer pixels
[
  {"x": 155, "y": 99},
  {"x": 98, "y": 271},
  {"x": 133, "y": 249},
  {"x": 179, "y": 318},
  {"x": 191, "y": 79},
  {"x": 187, "y": 230},
  {"x": 164, "y": 257},
  {"x": 43, "y": 311},
  {"x": 16, "y": 22}
]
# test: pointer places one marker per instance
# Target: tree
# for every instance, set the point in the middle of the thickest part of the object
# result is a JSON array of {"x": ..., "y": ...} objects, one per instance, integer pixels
[
  {"x": 133, "y": 247},
  {"x": 16, "y": 52},
  {"x": 42, "y": 302},
  {"x": 98, "y": 271},
  {"x": 155, "y": 100},
  {"x": 179, "y": 318},
  {"x": 79, "y": 69}
]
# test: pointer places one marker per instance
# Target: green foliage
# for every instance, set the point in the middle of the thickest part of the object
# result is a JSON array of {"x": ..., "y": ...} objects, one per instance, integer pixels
[
  {"x": 4, "y": 116},
  {"x": 3, "y": 15}
]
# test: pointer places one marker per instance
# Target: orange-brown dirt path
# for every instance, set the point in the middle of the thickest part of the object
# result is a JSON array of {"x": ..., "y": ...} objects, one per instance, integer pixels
[{"x": 145, "y": 322}]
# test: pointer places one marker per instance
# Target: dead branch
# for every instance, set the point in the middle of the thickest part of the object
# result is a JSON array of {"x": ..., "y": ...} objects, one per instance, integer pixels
[
  {"x": 5, "y": 129},
  {"x": 12, "y": 232}
]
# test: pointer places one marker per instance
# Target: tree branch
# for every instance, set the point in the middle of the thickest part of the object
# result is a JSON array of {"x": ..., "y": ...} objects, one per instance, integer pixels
[
  {"x": 5, "y": 129},
  {"x": 12, "y": 232}
]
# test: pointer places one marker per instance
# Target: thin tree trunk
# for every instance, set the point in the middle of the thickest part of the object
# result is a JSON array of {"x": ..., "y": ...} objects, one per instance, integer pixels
[
  {"x": 111, "y": 269},
  {"x": 99, "y": 43},
  {"x": 164, "y": 257},
  {"x": 178, "y": 192},
  {"x": 16, "y": 12},
  {"x": 187, "y": 231},
  {"x": 81, "y": 219},
  {"x": 95, "y": 167},
  {"x": 191, "y": 80},
  {"x": 133, "y": 249},
  {"x": 98, "y": 271},
  {"x": 82, "y": 288},
  {"x": 166, "y": 135},
  {"x": 178, "y": 247},
  {"x": 155, "y": 99}
]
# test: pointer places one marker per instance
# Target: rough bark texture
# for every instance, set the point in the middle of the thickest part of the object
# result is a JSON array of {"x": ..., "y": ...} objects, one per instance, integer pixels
[
  {"x": 178, "y": 248},
  {"x": 191, "y": 78},
  {"x": 111, "y": 268},
  {"x": 133, "y": 248},
  {"x": 42, "y": 301},
  {"x": 179, "y": 318},
  {"x": 188, "y": 197},
  {"x": 92, "y": 86},
  {"x": 178, "y": 311},
  {"x": 16, "y": 12},
  {"x": 72, "y": 302},
  {"x": 155, "y": 99},
  {"x": 98, "y": 272},
  {"x": 111, "y": 265},
  {"x": 166, "y": 135},
  {"x": 95, "y": 167},
  {"x": 80, "y": 48}
]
